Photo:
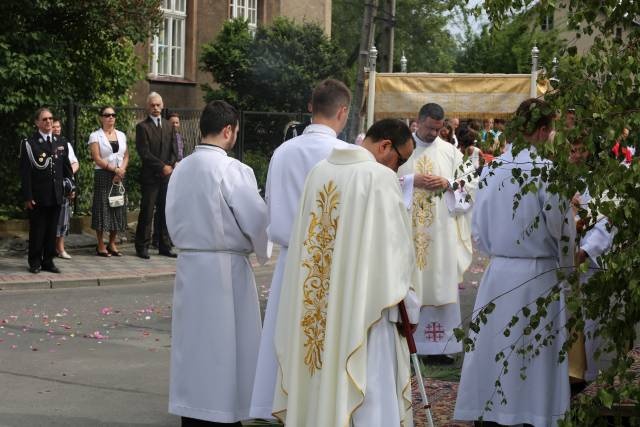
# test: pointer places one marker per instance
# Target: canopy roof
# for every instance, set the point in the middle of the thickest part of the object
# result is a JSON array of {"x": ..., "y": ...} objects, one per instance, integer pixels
[{"x": 461, "y": 95}]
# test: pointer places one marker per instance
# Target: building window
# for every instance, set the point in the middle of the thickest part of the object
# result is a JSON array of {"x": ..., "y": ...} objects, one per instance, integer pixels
[
  {"x": 247, "y": 9},
  {"x": 547, "y": 23},
  {"x": 167, "y": 47}
]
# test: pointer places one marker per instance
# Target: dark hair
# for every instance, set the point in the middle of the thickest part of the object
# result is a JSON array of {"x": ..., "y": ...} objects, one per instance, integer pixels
[
  {"x": 174, "y": 114},
  {"x": 533, "y": 114},
  {"x": 104, "y": 107},
  {"x": 328, "y": 96},
  {"x": 475, "y": 125},
  {"x": 467, "y": 137},
  {"x": 432, "y": 110},
  {"x": 451, "y": 133},
  {"x": 39, "y": 111},
  {"x": 394, "y": 130},
  {"x": 216, "y": 116},
  {"x": 56, "y": 119}
]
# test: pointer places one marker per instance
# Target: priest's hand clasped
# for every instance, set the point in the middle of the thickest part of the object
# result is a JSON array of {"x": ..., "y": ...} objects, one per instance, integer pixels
[{"x": 430, "y": 182}]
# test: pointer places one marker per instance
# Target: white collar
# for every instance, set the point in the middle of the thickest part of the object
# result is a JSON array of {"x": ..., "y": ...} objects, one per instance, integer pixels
[
  {"x": 210, "y": 148},
  {"x": 156, "y": 119},
  {"x": 45, "y": 135},
  {"x": 318, "y": 128},
  {"x": 350, "y": 154},
  {"x": 422, "y": 143}
]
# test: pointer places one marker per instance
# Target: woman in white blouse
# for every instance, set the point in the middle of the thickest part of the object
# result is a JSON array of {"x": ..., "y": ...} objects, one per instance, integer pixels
[{"x": 109, "y": 153}]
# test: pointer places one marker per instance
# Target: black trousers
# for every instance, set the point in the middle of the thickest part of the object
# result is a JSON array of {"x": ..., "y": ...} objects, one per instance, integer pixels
[
  {"x": 153, "y": 198},
  {"x": 193, "y": 422},
  {"x": 43, "y": 223}
]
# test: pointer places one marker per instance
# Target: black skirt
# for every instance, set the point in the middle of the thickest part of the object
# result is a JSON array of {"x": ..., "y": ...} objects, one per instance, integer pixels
[{"x": 104, "y": 217}]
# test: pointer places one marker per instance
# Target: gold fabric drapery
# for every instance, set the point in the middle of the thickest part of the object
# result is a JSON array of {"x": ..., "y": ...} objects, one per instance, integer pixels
[{"x": 477, "y": 96}]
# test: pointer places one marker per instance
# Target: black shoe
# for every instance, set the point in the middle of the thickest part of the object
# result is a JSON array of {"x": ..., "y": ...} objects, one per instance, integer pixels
[
  {"x": 438, "y": 359},
  {"x": 34, "y": 270},
  {"x": 143, "y": 254},
  {"x": 168, "y": 253},
  {"x": 51, "y": 268}
]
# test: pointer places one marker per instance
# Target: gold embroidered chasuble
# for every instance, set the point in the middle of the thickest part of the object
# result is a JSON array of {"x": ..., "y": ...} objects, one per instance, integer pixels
[
  {"x": 442, "y": 240},
  {"x": 348, "y": 261}
]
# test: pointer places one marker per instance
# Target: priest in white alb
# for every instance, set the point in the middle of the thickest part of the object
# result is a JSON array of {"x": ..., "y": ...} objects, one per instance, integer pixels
[
  {"x": 432, "y": 179},
  {"x": 288, "y": 169},
  {"x": 527, "y": 246},
  {"x": 216, "y": 217},
  {"x": 341, "y": 359}
]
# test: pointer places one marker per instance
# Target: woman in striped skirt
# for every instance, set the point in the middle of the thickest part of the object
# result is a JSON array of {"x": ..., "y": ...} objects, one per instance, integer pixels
[{"x": 109, "y": 153}]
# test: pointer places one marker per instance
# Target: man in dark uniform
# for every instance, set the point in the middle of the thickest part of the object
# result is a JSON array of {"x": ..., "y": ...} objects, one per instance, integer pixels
[
  {"x": 156, "y": 145},
  {"x": 44, "y": 163}
]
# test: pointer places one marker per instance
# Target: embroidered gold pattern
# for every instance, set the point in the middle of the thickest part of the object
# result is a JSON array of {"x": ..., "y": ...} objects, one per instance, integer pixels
[
  {"x": 319, "y": 244},
  {"x": 422, "y": 214}
]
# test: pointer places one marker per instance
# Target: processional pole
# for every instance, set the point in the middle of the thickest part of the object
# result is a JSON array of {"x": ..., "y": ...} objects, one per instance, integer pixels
[
  {"x": 414, "y": 360},
  {"x": 535, "y": 53},
  {"x": 371, "y": 98}
]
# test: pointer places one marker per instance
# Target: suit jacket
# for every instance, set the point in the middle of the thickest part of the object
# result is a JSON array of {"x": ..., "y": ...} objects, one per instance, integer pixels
[
  {"x": 43, "y": 167},
  {"x": 156, "y": 147}
]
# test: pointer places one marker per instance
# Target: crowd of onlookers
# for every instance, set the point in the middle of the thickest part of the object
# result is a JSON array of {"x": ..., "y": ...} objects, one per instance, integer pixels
[{"x": 48, "y": 165}]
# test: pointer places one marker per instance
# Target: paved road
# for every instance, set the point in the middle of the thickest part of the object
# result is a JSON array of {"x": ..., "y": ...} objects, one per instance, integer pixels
[
  {"x": 99, "y": 356},
  {"x": 86, "y": 356}
]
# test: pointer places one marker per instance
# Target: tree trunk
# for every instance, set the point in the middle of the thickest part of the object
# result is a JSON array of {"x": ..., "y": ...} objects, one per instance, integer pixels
[
  {"x": 366, "y": 36},
  {"x": 388, "y": 19}
]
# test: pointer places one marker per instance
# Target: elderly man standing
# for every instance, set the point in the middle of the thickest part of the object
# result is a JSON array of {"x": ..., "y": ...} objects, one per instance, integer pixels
[
  {"x": 340, "y": 357},
  {"x": 216, "y": 316},
  {"x": 44, "y": 163},
  {"x": 288, "y": 169},
  {"x": 156, "y": 145},
  {"x": 441, "y": 235}
]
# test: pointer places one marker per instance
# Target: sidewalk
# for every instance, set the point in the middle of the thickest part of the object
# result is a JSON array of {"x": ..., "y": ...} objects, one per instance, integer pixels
[{"x": 85, "y": 268}]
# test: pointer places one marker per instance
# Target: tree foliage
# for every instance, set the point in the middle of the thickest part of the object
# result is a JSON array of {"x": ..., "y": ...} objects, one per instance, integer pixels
[
  {"x": 601, "y": 85},
  {"x": 420, "y": 32},
  {"x": 273, "y": 71},
  {"x": 55, "y": 50},
  {"x": 507, "y": 49}
]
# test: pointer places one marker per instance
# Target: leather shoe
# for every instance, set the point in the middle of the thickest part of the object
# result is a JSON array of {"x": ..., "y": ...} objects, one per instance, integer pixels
[
  {"x": 51, "y": 268},
  {"x": 143, "y": 254},
  {"x": 34, "y": 270},
  {"x": 168, "y": 253}
]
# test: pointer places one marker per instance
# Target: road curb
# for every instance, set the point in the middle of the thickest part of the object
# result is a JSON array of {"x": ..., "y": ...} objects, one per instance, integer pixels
[{"x": 65, "y": 283}]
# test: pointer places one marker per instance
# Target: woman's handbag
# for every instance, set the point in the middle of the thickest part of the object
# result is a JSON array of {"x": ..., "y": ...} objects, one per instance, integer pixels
[{"x": 116, "y": 198}]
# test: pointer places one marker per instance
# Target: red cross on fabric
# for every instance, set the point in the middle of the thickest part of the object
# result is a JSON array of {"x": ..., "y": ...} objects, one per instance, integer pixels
[{"x": 434, "y": 332}]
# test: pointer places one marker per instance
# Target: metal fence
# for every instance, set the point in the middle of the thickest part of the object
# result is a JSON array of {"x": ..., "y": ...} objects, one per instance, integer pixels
[{"x": 261, "y": 132}]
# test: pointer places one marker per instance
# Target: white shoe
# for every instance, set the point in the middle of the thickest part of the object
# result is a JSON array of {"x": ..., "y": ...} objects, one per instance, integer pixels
[{"x": 64, "y": 255}]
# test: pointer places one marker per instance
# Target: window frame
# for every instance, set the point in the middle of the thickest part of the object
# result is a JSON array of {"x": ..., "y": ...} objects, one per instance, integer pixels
[
  {"x": 174, "y": 12},
  {"x": 249, "y": 10}
]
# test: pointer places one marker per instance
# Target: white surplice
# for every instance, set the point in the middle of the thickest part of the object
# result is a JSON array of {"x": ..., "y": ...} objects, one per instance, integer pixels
[
  {"x": 595, "y": 242},
  {"x": 216, "y": 218},
  {"x": 288, "y": 169},
  {"x": 341, "y": 360},
  {"x": 442, "y": 242},
  {"x": 523, "y": 265}
]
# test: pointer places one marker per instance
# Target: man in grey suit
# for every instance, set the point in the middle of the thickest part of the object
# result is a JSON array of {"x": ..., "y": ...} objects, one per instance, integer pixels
[{"x": 155, "y": 143}]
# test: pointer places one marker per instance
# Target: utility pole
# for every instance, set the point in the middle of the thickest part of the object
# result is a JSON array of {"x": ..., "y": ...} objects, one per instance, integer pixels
[
  {"x": 387, "y": 37},
  {"x": 366, "y": 39}
]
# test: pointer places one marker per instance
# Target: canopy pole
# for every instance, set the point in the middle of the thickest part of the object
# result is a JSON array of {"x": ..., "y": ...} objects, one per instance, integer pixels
[{"x": 371, "y": 98}]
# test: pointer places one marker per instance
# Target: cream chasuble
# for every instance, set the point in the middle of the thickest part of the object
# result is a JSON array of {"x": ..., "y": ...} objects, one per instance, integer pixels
[
  {"x": 442, "y": 242},
  {"x": 348, "y": 266},
  {"x": 216, "y": 218},
  {"x": 288, "y": 169}
]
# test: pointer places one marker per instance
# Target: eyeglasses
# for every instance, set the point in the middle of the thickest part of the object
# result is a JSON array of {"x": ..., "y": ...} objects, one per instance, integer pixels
[
  {"x": 401, "y": 160},
  {"x": 45, "y": 119},
  {"x": 109, "y": 115}
]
